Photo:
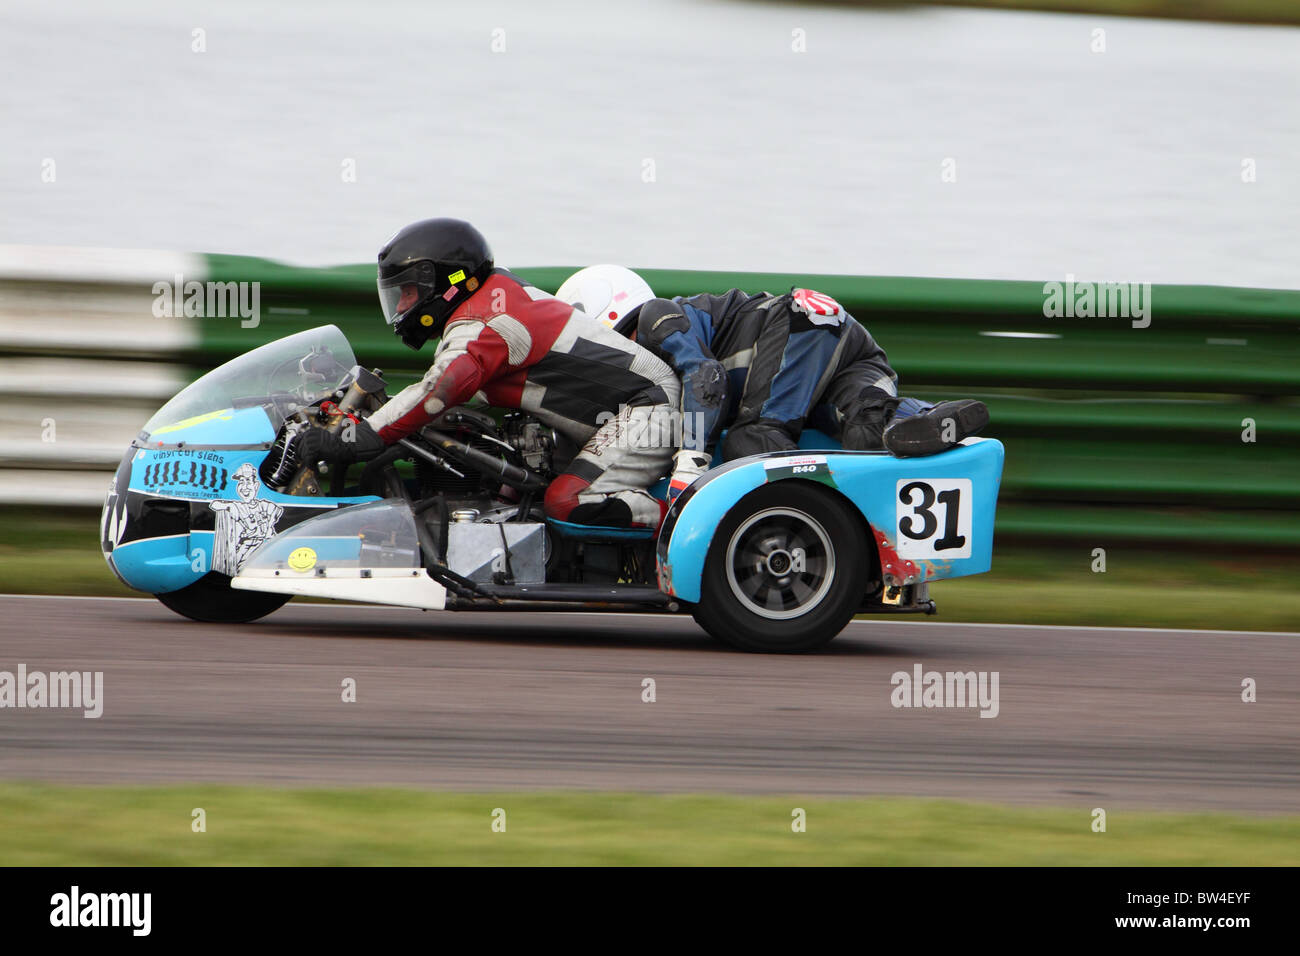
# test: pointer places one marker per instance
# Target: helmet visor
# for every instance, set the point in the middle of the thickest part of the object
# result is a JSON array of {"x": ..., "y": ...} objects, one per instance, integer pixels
[{"x": 400, "y": 293}]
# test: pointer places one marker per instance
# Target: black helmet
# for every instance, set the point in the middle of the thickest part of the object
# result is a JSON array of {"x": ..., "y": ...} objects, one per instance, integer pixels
[{"x": 426, "y": 271}]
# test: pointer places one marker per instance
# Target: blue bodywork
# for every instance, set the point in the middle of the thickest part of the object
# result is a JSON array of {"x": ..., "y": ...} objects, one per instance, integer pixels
[
  {"x": 159, "y": 530},
  {"x": 891, "y": 493}
]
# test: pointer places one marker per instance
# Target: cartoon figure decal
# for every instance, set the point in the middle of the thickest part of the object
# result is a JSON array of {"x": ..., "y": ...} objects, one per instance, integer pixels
[
  {"x": 242, "y": 525},
  {"x": 111, "y": 524}
]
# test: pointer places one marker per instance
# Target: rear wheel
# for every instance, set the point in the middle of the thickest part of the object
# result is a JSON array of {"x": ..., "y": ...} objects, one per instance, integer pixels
[
  {"x": 786, "y": 570},
  {"x": 211, "y": 599}
]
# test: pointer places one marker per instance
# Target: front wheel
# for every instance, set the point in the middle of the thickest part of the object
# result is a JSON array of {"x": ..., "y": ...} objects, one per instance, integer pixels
[
  {"x": 786, "y": 570},
  {"x": 212, "y": 600}
]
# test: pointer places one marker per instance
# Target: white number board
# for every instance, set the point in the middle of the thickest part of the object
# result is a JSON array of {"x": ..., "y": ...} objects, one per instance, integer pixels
[{"x": 934, "y": 517}]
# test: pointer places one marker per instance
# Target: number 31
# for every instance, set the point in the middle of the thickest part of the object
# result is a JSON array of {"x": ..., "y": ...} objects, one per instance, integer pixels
[{"x": 951, "y": 501}]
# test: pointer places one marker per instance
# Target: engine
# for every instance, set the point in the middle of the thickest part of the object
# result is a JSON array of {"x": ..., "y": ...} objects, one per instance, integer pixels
[{"x": 518, "y": 439}]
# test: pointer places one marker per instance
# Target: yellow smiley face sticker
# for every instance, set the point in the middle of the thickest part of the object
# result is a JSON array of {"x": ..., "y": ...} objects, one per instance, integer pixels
[
  {"x": 426, "y": 320},
  {"x": 302, "y": 559}
]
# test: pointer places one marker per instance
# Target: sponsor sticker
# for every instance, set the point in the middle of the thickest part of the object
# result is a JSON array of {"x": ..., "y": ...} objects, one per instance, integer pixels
[
  {"x": 799, "y": 466},
  {"x": 800, "y": 461},
  {"x": 302, "y": 559}
]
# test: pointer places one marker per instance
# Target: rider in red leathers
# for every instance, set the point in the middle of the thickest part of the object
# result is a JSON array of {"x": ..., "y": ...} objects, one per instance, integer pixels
[{"x": 519, "y": 347}]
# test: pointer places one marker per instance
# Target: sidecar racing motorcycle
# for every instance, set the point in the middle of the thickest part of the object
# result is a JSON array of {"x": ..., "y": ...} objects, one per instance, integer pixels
[{"x": 211, "y": 512}]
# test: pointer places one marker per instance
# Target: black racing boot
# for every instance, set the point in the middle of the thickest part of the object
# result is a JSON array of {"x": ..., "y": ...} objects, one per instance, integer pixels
[{"x": 939, "y": 429}]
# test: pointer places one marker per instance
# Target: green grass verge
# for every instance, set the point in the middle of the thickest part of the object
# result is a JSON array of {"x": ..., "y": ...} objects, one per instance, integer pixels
[
  {"x": 1141, "y": 587},
  {"x": 1029, "y": 584},
  {"x": 44, "y": 825},
  {"x": 44, "y": 552}
]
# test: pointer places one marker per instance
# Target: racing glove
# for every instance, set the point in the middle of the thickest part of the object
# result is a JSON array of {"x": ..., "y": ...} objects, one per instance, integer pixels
[{"x": 355, "y": 441}]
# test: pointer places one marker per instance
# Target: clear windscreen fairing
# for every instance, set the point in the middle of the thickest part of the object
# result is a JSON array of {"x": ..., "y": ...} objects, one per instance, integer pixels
[
  {"x": 381, "y": 534},
  {"x": 281, "y": 376}
]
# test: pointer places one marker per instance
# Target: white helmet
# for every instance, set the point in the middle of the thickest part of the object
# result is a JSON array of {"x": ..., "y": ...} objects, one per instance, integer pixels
[{"x": 607, "y": 293}]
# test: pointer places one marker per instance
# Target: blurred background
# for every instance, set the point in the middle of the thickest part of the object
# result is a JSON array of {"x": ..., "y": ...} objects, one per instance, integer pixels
[
  {"x": 808, "y": 138},
  {"x": 930, "y": 166}
]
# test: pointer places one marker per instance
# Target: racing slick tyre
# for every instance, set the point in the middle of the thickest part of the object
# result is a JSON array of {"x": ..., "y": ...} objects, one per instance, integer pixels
[
  {"x": 212, "y": 600},
  {"x": 786, "y": 570}
]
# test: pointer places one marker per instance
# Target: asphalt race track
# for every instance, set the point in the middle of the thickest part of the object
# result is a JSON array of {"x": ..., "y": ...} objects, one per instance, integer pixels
[{"x": 1093, "y": 717}]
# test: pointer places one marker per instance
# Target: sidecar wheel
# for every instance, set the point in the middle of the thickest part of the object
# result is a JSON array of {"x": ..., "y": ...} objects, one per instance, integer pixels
[
  {"x": 786, "y": 570},
  {"x": 212, "y": 600}
]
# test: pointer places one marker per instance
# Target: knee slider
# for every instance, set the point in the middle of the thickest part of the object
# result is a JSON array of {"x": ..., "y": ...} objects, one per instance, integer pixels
[{"x": 708, "y": 383}]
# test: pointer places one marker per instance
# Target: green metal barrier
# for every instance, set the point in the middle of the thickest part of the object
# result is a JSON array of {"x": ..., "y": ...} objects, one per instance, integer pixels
[{"x": 1112, "y": 431}]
